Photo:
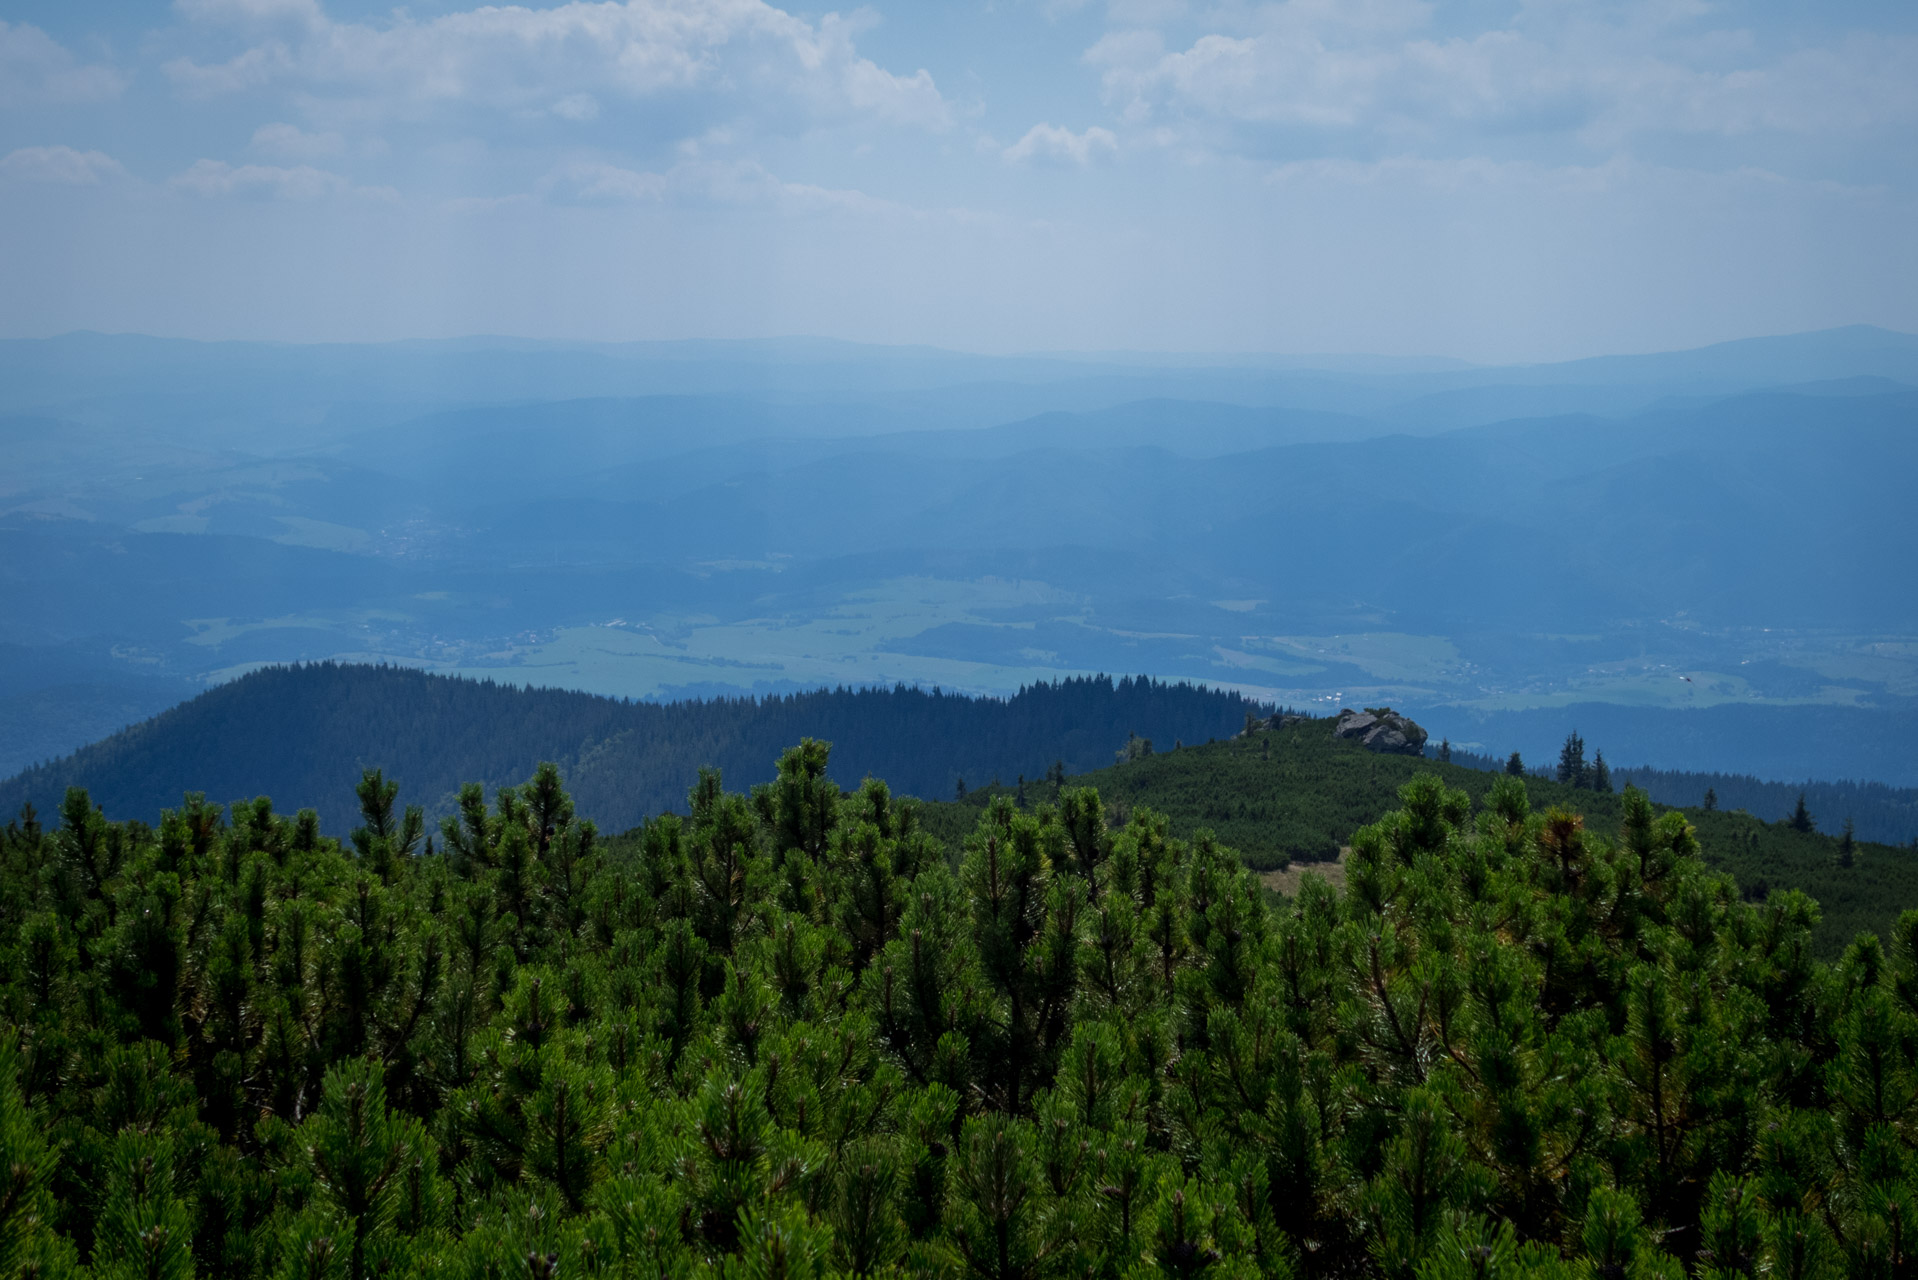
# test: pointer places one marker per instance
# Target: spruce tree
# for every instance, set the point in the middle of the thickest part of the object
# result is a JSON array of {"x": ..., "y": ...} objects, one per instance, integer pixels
[
  {"x": 1515, "y": 766},
  {"x": 1711, "y": 800},
  {"x": 1601, "y": 775},
  {"x": 1571, "y": 761},
  {"x": 1801, "y": 819}
]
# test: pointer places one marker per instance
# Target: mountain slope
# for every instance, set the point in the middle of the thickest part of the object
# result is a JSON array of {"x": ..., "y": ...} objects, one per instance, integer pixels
[
  {"x": 1298, "y": 793},
  {"x": 302, "y": 734}
]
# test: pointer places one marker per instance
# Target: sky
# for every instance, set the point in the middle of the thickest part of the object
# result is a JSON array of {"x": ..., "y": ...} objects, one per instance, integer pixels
[{"x": 1516, "y": 181}]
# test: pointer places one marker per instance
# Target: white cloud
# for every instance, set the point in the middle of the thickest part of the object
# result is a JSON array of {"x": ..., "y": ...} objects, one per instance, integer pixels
[
  {"x": 1863, "y": 85},
  {"x": 36, "y": 69},
  {"x": 1056, "y": 144},
  {"x": 736, "y": 183},
  {"x": 216, "y": 178},
  {"x": 1604, "y": 75},
  {"x": 591, "y": 182},
  {"x": 525, "y": 59},
  {"x": 258, "y": 66},
  {"x": 579, "y": 107},
  {"x": 60, "y": 165},
  {"x": 290, "y": 142}
]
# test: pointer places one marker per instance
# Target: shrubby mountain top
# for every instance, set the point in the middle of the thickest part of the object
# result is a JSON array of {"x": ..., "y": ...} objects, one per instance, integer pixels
[{"x": 795, "y": 1033}]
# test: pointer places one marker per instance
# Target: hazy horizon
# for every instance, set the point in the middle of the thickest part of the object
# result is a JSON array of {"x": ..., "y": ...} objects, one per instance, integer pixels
[{"x": 1299, "y": 360}]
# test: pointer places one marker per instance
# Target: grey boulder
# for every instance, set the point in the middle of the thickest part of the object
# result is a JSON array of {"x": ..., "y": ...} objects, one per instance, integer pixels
[{"x": 1381, "y": 729}]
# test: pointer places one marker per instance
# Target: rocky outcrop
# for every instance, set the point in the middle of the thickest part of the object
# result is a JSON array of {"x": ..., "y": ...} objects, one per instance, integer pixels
[
  {"x": 1277, "y": 720},
  {"x": 1381, "y": 729}
]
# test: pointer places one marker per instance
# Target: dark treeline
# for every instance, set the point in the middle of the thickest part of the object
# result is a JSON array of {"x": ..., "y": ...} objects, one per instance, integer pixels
[
  {"x": 1886, "y": 814},
  {"x": 1878, "y": 812},
  {"x": 791, "y": 1035},
  {"x": 1570, "y": 767},
  {"x": 1466, "y": 759},
  {"x": 287, "y": 731}
]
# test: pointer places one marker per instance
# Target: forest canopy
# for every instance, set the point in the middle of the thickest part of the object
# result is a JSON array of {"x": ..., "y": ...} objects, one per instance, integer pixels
[{"x": 793, "y": 1034}]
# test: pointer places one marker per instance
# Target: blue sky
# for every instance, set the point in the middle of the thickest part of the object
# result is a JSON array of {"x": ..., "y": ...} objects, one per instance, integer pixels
[{"x": 1511, "y": 181}]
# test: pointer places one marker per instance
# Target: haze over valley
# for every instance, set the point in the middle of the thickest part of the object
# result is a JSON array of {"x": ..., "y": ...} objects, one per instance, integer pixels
[{"x": 1709, "y": 549}]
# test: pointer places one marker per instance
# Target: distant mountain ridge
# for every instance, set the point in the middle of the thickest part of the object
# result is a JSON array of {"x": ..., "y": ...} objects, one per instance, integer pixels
[
  {"x": 295, "y": 383},
  {"x": 301, "y": 734}
]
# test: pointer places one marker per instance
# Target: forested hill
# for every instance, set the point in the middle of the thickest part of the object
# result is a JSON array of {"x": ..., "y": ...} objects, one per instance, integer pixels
[{"x": 301, "y": 734}]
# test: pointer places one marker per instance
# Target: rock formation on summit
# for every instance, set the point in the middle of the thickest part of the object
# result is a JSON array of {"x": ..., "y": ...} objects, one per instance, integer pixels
[{"x": 1381, "y": 729}]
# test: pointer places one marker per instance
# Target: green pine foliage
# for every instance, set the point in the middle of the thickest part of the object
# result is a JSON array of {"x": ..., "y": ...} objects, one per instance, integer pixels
[
  {"x": 796, "y": 1033},
  {"x": 1296, "y": 794}
]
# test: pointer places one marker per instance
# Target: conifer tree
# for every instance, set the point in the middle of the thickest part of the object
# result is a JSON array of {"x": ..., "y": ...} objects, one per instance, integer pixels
[
  {"x": 28, "y": 1245},
  {"x": 145, "y": 1229},
  {"x": 1571, "y": 761},
  {"x": 1801, "y": 819},
  {"x": 376, "y": 1172},
  {"x": 382, "y": 842}
]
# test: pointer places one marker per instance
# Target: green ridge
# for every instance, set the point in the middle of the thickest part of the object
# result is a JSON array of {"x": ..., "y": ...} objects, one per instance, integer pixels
[{"x": 1298, "y": 794}]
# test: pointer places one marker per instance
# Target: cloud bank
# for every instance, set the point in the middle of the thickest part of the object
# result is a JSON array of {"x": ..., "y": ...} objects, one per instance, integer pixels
[
  {"x": 35, "y": 69},
  {"x": 1049, "y": 143},
  {"x": 1545, "y": 179},
  {"x": 562, "y": 59}
]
